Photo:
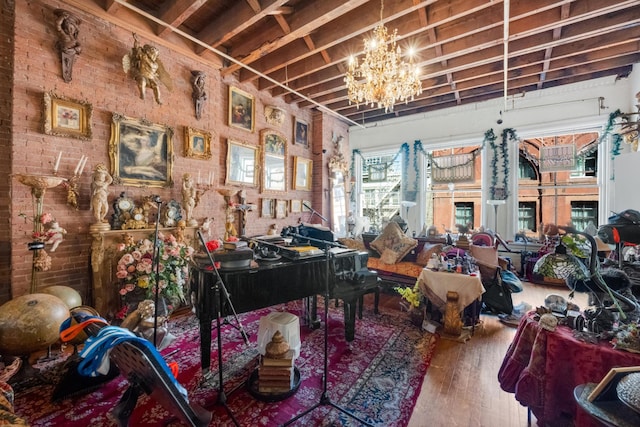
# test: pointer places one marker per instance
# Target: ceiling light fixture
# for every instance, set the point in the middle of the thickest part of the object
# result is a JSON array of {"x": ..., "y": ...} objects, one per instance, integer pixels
[{"x": 382, "y": 77}]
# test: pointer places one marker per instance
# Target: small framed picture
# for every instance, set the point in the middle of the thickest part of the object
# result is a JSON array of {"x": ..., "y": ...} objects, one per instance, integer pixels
[
  {"x": 301, "y": 132},
  {"x": 281, "y": 208},
  {"x": 267, "y": 208},
  {"x": 296, "y": 206},
  {"x": 306, "y": 205},
  {"x": 302, "y": 169},
  {"x": 67, "y": 117},
  {"x": 197, "y": 143},
  {"x": 242, "y": 109}
]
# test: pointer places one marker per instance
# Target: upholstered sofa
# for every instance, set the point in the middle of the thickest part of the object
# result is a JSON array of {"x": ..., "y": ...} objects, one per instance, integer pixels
[{"x": 397, "y": 258}]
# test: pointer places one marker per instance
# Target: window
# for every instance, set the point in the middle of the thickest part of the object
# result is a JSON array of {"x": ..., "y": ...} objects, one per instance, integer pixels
[
  {"x": 582, "y": 213},
  {"x": 586, "y": 165},
  {"x": 464, "y": 213},
  {"x": 381, "y": 187},
  {"x": 527, "y": 216},
  {"x": 526, "y": 170}
]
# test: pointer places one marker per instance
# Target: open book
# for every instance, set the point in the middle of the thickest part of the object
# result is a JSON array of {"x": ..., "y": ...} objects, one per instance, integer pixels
[{"x": 606, "y": 388}]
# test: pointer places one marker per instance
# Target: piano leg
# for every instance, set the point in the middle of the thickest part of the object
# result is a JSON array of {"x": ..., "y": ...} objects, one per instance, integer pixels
[{"x": 350, "y": 318}]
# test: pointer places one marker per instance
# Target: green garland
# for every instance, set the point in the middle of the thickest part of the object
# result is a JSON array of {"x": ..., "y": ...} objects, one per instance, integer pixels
[{"x": 508, "y": 134}]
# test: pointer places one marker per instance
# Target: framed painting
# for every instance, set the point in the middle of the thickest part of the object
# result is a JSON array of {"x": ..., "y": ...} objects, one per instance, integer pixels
[
  {"x": 274, "y": 161},
  {"x": 242, "y": 109},
  {"x": 266, "y": 208},
  {"x": 302, "y": 173},
  {"x": 67, "y": 117},
  {"x": 281, "y": 208},
  {"x": 301, "y": 132},
  {"x": 141, "y": 152},
  {"x": 242, "y": 164},
  {"x": 197, "y": 143},
  {"x": 296, "y": 206},
  {"x": 306, "y": 204}
]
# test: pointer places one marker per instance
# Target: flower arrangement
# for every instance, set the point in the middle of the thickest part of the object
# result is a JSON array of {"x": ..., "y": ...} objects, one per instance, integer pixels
[
  {"x": 628, "y": 338},
  {"x": 412, "y": 296},
  {"x": 137, "y": 274}
]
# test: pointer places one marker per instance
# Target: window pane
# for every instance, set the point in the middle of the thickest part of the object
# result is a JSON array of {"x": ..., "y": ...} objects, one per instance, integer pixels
[
  {"x": 381, "y": 188},
  {"x": 527, "y": 216},
  {"x": 582, "y": 213},
  {"x": 464, "y": 213}
]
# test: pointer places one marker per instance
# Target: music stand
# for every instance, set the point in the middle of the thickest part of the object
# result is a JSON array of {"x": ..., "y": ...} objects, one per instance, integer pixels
[
  {"x": 325, "y": 400},
  {"x": 220, "y": 291}
]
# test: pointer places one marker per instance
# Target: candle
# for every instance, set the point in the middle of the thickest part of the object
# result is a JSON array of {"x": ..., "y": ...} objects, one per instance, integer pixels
[
  {"x": 210, "y": 177},
  {"x": 55, "y": 167},
  {"x": 84, "y": 162},
  {"x": 198, "y": 176},
  {"x": 77, "y": 169}
]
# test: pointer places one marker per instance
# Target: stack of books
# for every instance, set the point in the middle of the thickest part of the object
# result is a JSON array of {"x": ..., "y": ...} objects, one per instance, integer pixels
[{"x": 276, "y": 375}]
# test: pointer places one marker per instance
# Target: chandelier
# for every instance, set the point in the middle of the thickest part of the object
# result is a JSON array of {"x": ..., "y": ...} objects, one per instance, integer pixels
[{"x": 382, "y": 77}]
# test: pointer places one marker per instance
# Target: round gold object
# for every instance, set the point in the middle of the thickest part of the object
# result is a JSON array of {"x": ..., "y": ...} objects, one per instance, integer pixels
[
  {"x": 68, "y": 295},
  {"x": 277, "y": 348},
  {"x": 30, "y": 322}
]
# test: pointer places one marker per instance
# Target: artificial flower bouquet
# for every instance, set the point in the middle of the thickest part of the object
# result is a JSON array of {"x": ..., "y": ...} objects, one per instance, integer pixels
[{"x": 137, "y": 272}]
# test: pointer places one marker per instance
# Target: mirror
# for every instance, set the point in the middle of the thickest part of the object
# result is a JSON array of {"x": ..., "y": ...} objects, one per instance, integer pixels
[
  {"x": 302, "y": 169},
  {"x": 274, "y": 147},
  {"x": 242, "y": 164},
  {"x": 338, "y": 176}
]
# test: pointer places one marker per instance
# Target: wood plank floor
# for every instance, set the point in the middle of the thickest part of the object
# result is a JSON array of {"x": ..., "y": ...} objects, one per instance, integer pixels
[{"x": 461, "y": 386}]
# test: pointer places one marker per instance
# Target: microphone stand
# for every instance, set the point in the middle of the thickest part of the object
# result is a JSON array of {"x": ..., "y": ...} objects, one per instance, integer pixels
[
  {"x": 219, "y": 286},
  {"x": 314, "y": 212},
  {"x": 325, "y": 400}
]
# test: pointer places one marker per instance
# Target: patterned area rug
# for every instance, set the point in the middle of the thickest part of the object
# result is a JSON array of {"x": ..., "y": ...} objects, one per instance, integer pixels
[{"x": 377, "y": 377}]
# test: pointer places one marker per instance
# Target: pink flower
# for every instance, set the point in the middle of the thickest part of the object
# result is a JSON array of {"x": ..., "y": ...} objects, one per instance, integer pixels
[
  {"x": 46, "y": 218},
  {"x": 122, "y": 274}
]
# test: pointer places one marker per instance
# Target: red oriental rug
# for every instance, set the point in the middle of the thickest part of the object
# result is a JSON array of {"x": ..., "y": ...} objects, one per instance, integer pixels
[{"x": 377, "y": 377}]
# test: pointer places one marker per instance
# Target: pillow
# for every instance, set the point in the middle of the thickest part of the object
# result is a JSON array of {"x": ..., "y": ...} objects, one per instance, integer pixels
[
  {"x": 394, "y": 242},
  {"x": 427, "y": 251},
  {"x": 484, "y": 254},
  {"x": 351, "y": 243}
]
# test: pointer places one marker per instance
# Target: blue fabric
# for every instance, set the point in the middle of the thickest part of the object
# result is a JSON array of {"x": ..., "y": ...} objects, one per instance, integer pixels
[{"x": 95, "y": 354}]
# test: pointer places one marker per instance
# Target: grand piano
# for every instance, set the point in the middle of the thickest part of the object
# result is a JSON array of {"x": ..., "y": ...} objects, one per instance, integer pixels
[{"x": 279, "y": 282}]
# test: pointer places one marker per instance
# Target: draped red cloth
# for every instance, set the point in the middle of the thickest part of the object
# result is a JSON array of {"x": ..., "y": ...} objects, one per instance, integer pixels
[{"x": 542, "y": 368}]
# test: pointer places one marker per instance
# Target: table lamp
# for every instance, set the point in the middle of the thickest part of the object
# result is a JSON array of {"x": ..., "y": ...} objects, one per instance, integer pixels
[{"x": 562, "y": 265}]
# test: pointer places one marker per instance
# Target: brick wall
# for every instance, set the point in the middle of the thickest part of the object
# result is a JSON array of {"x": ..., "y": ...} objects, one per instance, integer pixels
[
  {"x": 98, "y": 78},
  {"x": 7, "y": 14}
]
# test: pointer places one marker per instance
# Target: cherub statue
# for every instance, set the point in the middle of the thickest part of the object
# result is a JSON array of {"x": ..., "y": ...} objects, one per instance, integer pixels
[
  {"x": 100, "y": 192},
  {"x": 57, "y": 235},
  {"x": 143, "y": 65},
  {"x": 189, "y": 199}
]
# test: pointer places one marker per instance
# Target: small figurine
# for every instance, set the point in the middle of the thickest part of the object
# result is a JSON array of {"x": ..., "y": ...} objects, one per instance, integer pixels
[
  {"x": 57, "y": 235},
  {"x": 189, "y": 196}
]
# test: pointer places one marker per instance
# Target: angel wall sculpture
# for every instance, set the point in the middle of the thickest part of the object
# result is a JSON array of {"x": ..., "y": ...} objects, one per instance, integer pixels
[{"x": 144, "y": 66}]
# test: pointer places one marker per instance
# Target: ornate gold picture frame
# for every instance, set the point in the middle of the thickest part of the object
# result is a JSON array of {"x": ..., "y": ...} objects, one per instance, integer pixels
[
  {"x": 197, "y": 143},
  {"x": 242, "y": 109},
  {"x": 274, "y": 161},
  {"x": 141, "y": 152},
  {"x": 302, "y": 173},
  {"x": 242, "y": 164},
  {"x": 67, "y": 117}
]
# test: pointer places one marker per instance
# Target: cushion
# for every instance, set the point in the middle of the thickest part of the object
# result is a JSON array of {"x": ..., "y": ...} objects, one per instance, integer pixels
[
  {"x": 351, "y": 243},
  {"x": 427, "y": 252},
  {"x": 393, "y": 244},
  {"x": 484, "y": 254}
]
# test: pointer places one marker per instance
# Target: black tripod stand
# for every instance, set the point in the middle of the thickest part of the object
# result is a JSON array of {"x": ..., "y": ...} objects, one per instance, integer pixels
[
  {"x": 325, "y": 400},
  {"x": 220, "y": 291}
]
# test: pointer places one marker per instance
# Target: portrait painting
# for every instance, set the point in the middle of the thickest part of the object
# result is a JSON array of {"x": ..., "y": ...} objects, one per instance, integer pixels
[
  {"x": 67, "y": 117},
  {"x": 197, "y": 143},
  {"x": 301, "y": 132},
  {"x": 141, "y": 152},
  {"x": 274, "y": 161},
  {"x": 241, "y": 109}
]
